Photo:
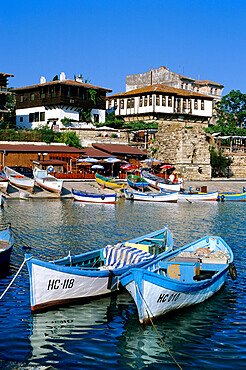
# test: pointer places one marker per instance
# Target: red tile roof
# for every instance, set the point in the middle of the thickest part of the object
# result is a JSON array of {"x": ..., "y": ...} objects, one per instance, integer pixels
[
  {"x": 95, "y": 153},
  {"x": 205, "y": 82},
  {"x": 119, "y": 149},
  {"x": 160, "y": 88},
  {"x": 39, "y": 148},
  {"x": 65, "y": 82}
]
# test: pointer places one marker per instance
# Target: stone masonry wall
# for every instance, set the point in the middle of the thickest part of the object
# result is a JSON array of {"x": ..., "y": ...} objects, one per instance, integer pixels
[{"x": 183, "y": 145}]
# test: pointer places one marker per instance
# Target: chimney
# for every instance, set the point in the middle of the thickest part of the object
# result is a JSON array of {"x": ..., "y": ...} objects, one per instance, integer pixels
[
  {"x": 79, "y": 79},
  {"x": 42, "y": 80},
  {"x": 62, "y": 76}
]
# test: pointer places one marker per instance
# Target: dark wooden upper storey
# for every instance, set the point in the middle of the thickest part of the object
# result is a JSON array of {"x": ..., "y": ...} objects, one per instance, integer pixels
[
  {"x": 4, "y": 87},
  {"x": 61, "y": 93}
]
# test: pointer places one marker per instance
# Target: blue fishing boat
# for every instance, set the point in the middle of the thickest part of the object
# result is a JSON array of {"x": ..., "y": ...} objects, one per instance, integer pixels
[
  {"x": 84, "y": 196},
  {"x": 225, "y": 196},
  {"x": 137, "y": 182},
  {"x": 92, "y": 274},
  {"x": 183, "y": 277},
  {"x": 6, "y": 243}
]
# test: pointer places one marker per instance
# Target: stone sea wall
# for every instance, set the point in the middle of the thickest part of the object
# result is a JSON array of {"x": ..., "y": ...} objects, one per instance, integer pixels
[{"x": 184, "y": 145}]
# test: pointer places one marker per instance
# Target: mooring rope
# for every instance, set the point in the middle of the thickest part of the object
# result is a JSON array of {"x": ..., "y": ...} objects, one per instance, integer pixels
[
  {"x": 146, "y": 308},
  {"x": 15, "y": 277}
]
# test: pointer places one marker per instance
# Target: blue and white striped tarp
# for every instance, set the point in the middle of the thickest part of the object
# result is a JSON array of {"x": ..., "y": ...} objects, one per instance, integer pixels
[{"x": 119, "y": 255}]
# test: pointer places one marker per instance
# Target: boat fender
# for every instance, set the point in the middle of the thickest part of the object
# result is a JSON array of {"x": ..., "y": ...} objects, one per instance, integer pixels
[
  {"x": 50, "y": 169},
  {"x": 222, "y": 198},
  {"x": 102, "y": 197},
  {"x": 232, "y": 271},
  {"x": 131, "y": 196},
  {"x": 110, "y": 278}
]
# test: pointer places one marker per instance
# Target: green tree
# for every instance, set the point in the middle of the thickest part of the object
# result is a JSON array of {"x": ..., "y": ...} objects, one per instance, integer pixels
[
  {"x": 66, "y": 121},
  {"x": 55, "y": 78},
  {"x": 219, "y": 162},
  {"x": 232, "y": 111}
]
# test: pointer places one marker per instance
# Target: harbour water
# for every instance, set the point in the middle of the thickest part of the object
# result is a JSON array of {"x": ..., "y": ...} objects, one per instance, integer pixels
[{"x": 105, "y": 333}]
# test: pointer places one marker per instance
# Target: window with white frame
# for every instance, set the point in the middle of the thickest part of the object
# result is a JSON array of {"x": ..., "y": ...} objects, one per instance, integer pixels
[{"x": 164, "y": 101}]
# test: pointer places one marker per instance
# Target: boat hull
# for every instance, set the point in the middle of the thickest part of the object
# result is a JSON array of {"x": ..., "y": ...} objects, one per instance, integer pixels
[
  {"x": 92, "y": 274},
  {"x": 6, "y": 244},
  {"x": 197, "y": 197},
  {"x": 95, "y": 198},
  {"x": 47, "y": 182},
  {"x": 105, "y": 182},
  {"x": 183, "y": 277},
  {"x": 160, "y": 298},
  {"x": 237, "y": 197},
  {"x": 18, "y": 180},
  {"x": 152, "y": 197},
  {"x": 53, "y": 285},
  {"x": 157, "y": 183}
]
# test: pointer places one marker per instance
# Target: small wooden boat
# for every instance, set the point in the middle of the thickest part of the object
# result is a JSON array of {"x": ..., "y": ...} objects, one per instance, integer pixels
[
  {"x": 224, "y": 196},
  {"x": 108, "y": 182},
  {"x": 137, "y": 182},
  {"x": 91, "y": 274},
  {"x": 181, "y": 278},
  {"x": 19, "y": 180},
  {"x": 47, "y": 182},
  {"x": 151, "y": 196},
  {"x": 3, "y": 182},
  {"x": 83, "y": 196},
  {"x": 159, "y": 183},
  {"x": 6, "y": 243},
  {"x": 193, "y": 196}
]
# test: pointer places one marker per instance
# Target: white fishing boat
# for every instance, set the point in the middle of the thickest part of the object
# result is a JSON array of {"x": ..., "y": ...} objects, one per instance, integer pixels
[
  {"x": 151, "y": 196},
  {"x": 84, "y": 196},
  {"x": 181, "y": 278},
  {"x": 91, "y": 274},
  {"x": 19, "y": 180},
  {"x": 160, "y": 183},
  {"x": 46, "y": 181},
  {"x": 198, "y": 197},
  {"x": 3, "y": 182}
]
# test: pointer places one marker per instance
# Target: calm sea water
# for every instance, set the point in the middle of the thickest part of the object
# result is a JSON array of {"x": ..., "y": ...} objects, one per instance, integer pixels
[{"x": 105, "y": 333}]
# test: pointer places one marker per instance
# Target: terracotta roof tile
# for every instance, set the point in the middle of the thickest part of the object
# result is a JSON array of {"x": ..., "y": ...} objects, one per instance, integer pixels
[
  {"x": 65, "y": 82},
  {"x": 39, "y": 148},
  {"x": 119, "y": 149},
  {"x": 208, "y": 82},
  {"x": 160, "y": 88}
]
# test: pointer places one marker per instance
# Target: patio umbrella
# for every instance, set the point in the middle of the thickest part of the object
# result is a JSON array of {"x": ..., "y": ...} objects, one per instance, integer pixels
[
  {"x": 166, "y": 166},
  {"x": 127, "y": 167},
  {"x": 97, "y": 167},
  {"x": 91, "y": 160},
  {"x": 112, "y": 160}
]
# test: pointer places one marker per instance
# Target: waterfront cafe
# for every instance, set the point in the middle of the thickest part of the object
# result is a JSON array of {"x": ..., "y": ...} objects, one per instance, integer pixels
[{"x": 230, "y": 143}]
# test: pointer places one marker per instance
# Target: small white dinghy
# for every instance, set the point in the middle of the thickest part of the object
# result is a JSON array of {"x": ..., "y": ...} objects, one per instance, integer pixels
[
  {"x": 17, "y": 179},
  {"x": 47, "y": 181}
]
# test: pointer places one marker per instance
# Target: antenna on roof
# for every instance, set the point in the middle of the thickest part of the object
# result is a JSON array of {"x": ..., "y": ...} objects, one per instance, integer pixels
[{"x": 199, "y": 77}]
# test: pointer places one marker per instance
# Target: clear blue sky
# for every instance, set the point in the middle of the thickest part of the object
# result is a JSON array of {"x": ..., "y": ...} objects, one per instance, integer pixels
[{"x": 106, "y": 40}]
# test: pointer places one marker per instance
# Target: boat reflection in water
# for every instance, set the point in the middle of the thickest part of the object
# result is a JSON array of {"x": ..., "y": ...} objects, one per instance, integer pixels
[{"x": 105, "y": 333}]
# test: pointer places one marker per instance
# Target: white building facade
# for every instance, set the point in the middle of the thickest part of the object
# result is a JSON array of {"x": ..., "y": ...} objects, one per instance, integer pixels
[
  {"x": 159, "y": 100},
  {"x": 48, "y": 103}
]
